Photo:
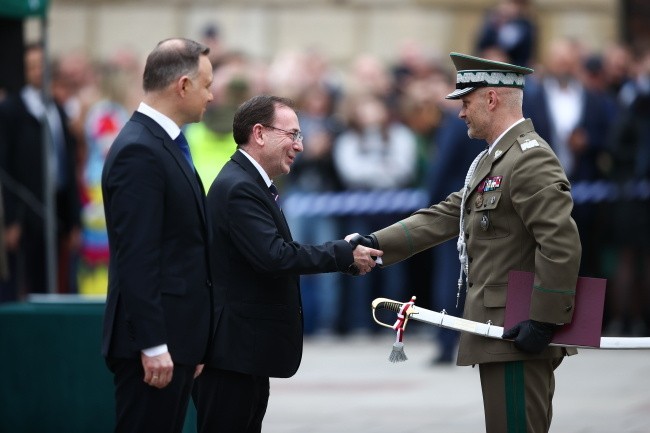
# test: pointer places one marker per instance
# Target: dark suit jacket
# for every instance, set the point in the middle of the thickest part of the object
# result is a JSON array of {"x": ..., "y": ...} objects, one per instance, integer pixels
[
  {"x": 597, "y": 113},
  {"x": 21, "y": 157},
  {"x": 256, "y": 268},
  {"x": 159, "y": 286}
]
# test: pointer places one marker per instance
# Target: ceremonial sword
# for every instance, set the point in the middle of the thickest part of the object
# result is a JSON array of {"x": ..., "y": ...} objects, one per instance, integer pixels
[{"x": 408, "y": 310}]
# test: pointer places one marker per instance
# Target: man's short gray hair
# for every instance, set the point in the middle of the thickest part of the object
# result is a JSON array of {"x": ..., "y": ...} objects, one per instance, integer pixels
[{"x": 171, "y": 59}]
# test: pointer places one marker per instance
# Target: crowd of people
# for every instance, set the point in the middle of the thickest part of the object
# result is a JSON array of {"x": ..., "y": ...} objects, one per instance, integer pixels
[{"x": 368, "y": 125}]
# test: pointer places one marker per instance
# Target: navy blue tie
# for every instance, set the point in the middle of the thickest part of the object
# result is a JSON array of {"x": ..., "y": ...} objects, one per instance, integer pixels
[
  {"x": 274, "y": 193},
  {"x": 182, "y": 143}
]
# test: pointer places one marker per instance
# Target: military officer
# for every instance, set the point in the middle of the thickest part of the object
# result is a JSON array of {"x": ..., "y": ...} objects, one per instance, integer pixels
[{"x": 514, "y": 213}]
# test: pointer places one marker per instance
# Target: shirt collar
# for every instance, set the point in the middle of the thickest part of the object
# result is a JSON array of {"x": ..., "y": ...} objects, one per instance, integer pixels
[
  {"x": 504, "y": 133},
  {"x": 33, "y": 100},
  {"x": 170, "y": 127},
  {"x": 259, "y": 168}
]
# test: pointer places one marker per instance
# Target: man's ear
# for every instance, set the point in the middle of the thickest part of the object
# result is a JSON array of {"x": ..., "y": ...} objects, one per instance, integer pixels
[
  {"x": 182, "y": 84},
  {"x": 492, "y": 98},
  {"x": 257, "y": 133}
]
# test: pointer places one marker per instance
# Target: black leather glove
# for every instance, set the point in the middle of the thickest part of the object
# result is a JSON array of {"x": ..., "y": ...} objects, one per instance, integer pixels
[
  {"x": 369, "y": 241},
  {"x": 531, "y": 336}
]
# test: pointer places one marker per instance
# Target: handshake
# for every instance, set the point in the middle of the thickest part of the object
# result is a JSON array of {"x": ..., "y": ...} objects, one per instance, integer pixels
[{"x": 366, "y": 252}]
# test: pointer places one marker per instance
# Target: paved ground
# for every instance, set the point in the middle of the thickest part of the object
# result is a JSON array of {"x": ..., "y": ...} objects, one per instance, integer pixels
[{"x": 348, "y": 385}]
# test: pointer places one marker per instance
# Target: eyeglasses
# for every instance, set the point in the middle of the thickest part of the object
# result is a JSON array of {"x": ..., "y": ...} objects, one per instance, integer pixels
[{"x": 296, "y": 136}]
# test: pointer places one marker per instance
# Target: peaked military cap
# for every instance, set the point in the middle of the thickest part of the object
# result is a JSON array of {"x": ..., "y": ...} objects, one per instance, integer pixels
[{"x": 474, "y": 72}]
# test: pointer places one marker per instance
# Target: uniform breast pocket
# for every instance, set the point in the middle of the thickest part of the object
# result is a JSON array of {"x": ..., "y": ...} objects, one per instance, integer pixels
[{"x": 490, "y": 217}]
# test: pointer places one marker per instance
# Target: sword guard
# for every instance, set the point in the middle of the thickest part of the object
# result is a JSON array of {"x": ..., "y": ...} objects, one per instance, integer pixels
[{"x": 395, "y": 306}]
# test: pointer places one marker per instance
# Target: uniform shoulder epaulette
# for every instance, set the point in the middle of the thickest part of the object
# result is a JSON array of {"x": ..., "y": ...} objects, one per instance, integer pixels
[{"x": 526, "y": 143}]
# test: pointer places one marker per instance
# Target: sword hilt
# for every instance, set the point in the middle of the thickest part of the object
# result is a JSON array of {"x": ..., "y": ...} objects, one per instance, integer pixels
[{"x": 389, "y": 304}]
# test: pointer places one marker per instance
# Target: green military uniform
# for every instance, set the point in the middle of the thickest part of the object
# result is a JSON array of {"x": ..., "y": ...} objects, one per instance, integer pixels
[
  {"x": 517, "y": 216},
  {"x": 521, "y": 220}
]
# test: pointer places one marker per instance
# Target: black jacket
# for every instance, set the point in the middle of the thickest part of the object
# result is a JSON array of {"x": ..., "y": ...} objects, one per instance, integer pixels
[{"x": 257, "y": 268}]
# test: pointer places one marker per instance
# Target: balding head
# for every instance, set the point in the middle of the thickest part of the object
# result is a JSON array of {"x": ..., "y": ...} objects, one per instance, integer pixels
[{"x": 171, "y": 59}]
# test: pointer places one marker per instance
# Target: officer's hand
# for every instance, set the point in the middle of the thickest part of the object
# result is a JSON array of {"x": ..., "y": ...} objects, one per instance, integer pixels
[
  {"x": 365, "y": 253},
  {"x": 369, "y": 241},
  {"x": 531, "y": 336}
]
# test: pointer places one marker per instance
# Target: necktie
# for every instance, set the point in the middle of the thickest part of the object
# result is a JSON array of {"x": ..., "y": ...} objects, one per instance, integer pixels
[
  {"x": 274, "y": 192},
  {"x": 182, "y": 143}
]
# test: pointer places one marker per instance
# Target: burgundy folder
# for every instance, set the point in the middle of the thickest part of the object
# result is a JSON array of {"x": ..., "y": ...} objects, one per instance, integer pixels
[{"x": 584, "y": 329}]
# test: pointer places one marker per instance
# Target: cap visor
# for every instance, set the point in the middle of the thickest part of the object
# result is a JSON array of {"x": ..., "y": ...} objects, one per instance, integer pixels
[{"x": 456, "y": 94}]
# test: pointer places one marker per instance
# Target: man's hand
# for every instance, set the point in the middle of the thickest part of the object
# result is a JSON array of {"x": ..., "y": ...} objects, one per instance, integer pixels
[
  {"x": 158, "y": 370},
  {"x": 531, "y": 336},
  {"x": 365, "y": 255},
  {"x": 369, "y": 241}
]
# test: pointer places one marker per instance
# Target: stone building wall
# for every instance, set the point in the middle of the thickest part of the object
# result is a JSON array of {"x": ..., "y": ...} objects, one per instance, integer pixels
[{"x": 339, "y": 28}]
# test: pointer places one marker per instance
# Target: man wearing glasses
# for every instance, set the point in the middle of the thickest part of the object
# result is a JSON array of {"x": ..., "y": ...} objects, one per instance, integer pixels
[{"x": 257, "y": 268}]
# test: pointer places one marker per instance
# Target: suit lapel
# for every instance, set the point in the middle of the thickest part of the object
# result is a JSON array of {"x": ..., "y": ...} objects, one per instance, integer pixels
[
  {"x": 188, "y": 172},
  {"x": 276, "y": 211},
  {"x": 190, "y": 175}
]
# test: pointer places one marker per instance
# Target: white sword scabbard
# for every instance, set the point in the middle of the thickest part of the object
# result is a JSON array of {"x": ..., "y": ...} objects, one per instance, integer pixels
[{"x": 444, "y": 320}]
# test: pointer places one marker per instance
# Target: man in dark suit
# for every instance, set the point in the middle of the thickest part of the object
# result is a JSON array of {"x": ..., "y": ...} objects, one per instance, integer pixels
[
  {"x": 22, "y": 117},
  {"x": 256, "y": 268},
  {"x": 158, "y": 313}
]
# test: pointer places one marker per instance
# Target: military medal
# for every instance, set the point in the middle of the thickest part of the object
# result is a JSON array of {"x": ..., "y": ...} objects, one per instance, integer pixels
[
  {"x": 479, "y": 191},
  {"x": 492, "y": 183},
  {"x": 485, "y": 222}
]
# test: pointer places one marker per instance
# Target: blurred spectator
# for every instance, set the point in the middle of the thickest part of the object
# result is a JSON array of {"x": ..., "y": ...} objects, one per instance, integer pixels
[
  {"x": 313, "y": 171},
  {"x": 596, "y": 81},
  {"x": 21, "y": 158},
  {"x": 211, "y": 140},
  {"x": 211, "y": 36},
  {"x": 420, "y": 111},
  {"x": 293, "y": 72},
  {"x": 287, "y": 74},
  {"x": 74, "y": 88},
  {"x": 617, "y": 61},
  {"x": 415, "y": 64},
  {"x": 510, "y": 27},
  {"x": 629, "y": 290},
  {"x": 103, "y": 121},
  {"x": 129, "y": 70},
  {"x": 374, "y": 152},
  {"x": 367, "y": 74},
  {"x": 575, "y": 121}
]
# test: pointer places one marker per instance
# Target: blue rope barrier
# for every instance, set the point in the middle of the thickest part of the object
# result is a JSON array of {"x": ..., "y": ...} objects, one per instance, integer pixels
[{"x": 330, "y": 204}]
